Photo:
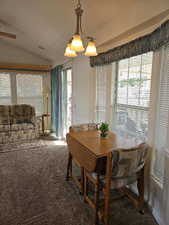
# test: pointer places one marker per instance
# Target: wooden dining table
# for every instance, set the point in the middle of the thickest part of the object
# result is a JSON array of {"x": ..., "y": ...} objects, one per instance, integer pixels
[{"x": 87, "y": 147}]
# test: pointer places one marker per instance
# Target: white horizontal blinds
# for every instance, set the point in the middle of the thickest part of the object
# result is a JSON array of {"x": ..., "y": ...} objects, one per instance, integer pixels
[
  {"x": 162, "y": 117},
  {"x": 30, "y": 90},
  {"x": 134, "y": 78},
  {"x": 5, "y": 89},
  {"x": 132, "y": 97},
  {"x": 101, "y": 93}
]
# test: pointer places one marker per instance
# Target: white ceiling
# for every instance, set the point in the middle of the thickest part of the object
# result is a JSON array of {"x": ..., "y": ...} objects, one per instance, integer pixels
[{"x": 51, "y": 23}]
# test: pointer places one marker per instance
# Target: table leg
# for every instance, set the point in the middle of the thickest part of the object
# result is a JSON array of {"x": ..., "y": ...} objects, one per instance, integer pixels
[
  {"x": 43, "y": 125},
  {"x": 107, "y": 188},
  {"x": 69, "y": 167}
]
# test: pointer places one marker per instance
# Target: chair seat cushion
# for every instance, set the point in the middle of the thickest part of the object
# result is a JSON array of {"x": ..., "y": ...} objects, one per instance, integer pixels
[
  {"x": 21, "y": 126},
  {"x": 117, "y": 182},
  {"x": 121, "y": 182}
]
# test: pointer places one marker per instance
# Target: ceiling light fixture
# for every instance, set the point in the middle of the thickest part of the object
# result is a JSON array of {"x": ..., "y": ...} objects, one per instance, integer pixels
[
  {"x": 69, "y": 52},
  {"x": 76, "y": 45}
]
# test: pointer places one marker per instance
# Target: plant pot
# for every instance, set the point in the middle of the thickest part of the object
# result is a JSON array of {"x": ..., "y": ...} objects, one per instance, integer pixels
[{"x": 104, "y": 135}]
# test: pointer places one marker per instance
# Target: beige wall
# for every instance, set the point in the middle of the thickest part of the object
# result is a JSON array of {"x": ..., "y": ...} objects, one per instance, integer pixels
[{"x": 82, "y": 90}]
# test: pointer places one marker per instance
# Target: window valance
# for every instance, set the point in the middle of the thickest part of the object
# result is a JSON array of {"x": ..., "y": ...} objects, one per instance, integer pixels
[{"x": 149, "y": 42}]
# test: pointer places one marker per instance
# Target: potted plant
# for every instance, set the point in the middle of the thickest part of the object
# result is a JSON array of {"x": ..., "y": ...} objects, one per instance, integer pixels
[{"x": 104, "y": 128}]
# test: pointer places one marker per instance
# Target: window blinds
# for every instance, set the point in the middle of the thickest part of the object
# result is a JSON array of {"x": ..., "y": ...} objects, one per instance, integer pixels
[
  {"x": 30, "y": 91},
  {"x": 101, "y": 93},
  {"x": 5, "y": 89},
  {"x": 105, "y": 76},
  {"x": 161, "y": 139}
]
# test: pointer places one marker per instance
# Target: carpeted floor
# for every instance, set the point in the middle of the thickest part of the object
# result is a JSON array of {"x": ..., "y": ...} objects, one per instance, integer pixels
[{"x": 33, "y": 190}]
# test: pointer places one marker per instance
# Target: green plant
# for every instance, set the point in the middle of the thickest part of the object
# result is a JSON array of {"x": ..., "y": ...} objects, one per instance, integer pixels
[
  {"x": 104, "y": 128},
  {"x": 132, "y": 82}
]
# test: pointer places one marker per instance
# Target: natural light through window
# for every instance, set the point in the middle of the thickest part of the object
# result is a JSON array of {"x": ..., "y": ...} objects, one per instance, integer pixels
[
  {"x": 5, "y": 89},
  {"x": 132, "y": 96},
  {"x": 30, "y": 91}
]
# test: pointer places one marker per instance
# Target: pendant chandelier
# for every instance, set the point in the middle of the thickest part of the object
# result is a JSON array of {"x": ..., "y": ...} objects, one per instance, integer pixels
[{"x": 75, "y": 45}]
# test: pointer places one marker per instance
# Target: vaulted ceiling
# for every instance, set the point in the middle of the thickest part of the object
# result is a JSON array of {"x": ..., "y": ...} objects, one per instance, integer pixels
[{"x": 43, "y": 27}]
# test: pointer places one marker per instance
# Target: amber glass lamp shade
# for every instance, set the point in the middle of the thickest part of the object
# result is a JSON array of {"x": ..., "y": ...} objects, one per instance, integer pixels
[
  {"x": 77, "y": 44},
  {"x": 91, "y": 49},
  {"x": 69, "y": 52}
]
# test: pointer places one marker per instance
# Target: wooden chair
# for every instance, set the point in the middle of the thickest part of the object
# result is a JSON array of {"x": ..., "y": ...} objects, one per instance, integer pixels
[
  {"x": 73, "y": 154},
  {"x": 127, "y": 168}
]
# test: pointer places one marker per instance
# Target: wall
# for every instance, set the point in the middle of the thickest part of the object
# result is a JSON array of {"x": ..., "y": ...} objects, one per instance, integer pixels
[{"x": 83, "y": 83}]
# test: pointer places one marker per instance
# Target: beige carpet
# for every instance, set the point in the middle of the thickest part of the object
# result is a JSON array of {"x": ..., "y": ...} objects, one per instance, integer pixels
[{"x": 33, "y": 190}]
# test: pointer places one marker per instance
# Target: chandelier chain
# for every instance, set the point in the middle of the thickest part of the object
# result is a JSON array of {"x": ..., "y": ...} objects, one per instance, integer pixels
[{"x": 79, "y": 4}]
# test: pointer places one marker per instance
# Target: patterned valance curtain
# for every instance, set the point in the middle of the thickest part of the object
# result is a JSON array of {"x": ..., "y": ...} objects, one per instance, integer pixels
[
  {"x": 147, "y": 43},
  {"x": 58, "y": 98}
]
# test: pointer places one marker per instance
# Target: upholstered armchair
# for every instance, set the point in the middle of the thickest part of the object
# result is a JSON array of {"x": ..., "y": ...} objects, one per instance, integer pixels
[{"x": 127, "y": 168}]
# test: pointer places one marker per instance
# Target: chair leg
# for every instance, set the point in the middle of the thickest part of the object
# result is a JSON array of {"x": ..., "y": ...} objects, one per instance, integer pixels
[
  {"x": 96, "y": 199},
  {"x": 85, "y": 186},
  {"x": 82, "y": 180},
  {"x": 69, "y": 167},
  {"x": 96, "y": 196},
  {"x": 140, "y": 186}
]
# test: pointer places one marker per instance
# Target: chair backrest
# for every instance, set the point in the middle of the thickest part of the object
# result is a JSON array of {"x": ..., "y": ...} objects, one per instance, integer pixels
[
  {"x": 127, "y": 162},
  {"x": 83, "y": 127},
  {"x": 4, "y": 114},
  {"x": 22, "y": 113}
]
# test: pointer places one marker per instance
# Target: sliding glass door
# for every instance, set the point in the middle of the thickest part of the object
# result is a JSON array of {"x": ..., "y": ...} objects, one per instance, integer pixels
[{"x": 67, "y": 77}]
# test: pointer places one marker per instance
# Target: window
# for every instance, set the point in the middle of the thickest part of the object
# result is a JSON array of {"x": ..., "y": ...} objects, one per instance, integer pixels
[
  {"x": 5, "y": 89},
  {"x": 132, "y": 97},
  {"x": 30, "y": 91},
  {"x": 20, "y": 88}
]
